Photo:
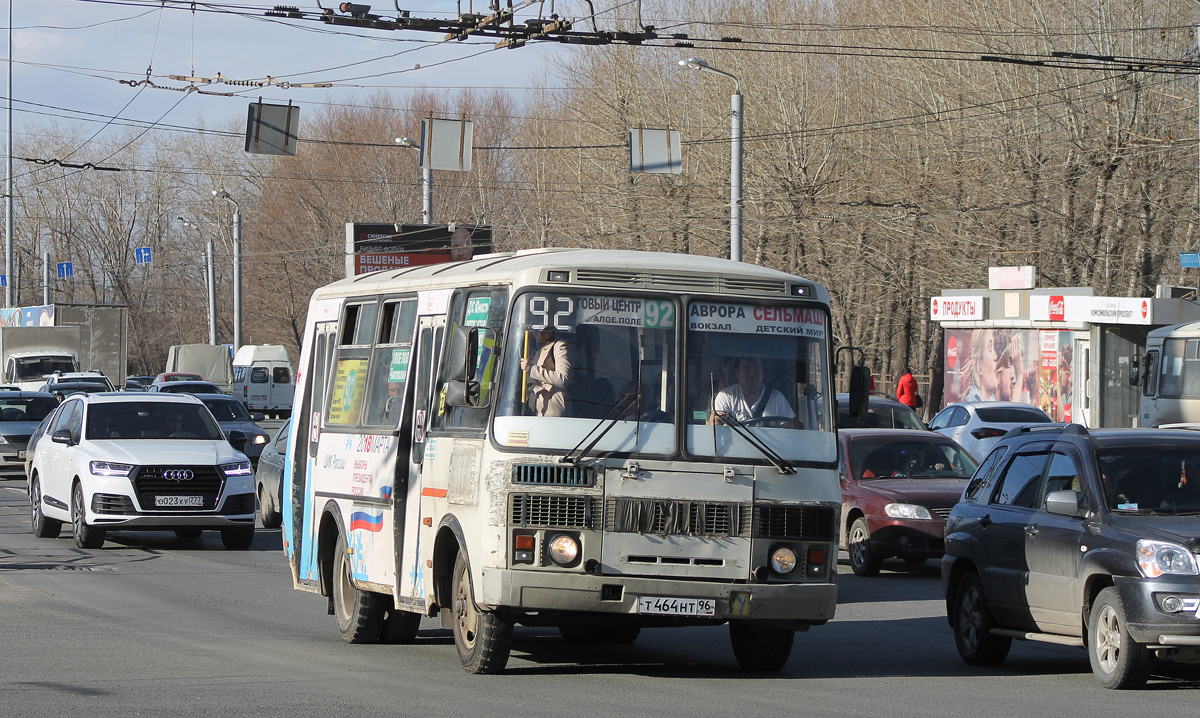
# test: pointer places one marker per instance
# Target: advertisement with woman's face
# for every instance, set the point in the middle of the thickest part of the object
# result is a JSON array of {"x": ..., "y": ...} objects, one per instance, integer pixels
[{"x": 991, "y": 365}]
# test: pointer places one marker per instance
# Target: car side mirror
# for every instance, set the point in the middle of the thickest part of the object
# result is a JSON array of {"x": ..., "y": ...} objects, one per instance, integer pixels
[
  {"x": 258, "y": 416},
  {"x": 62, "y": 436},
  {"x": 237, "y": 439},
  {"x": 1066, "y": 503}
]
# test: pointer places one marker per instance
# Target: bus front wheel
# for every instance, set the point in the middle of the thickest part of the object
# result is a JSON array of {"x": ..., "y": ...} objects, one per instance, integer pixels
[
  {"x": 359, "y": 614},
  {"x": 482, "y": 638},
  {"x": 760, "y": 649}
]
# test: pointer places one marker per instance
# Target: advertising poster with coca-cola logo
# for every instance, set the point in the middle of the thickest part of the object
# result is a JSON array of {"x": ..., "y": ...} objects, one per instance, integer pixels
[{"x": 991, "y": 365}]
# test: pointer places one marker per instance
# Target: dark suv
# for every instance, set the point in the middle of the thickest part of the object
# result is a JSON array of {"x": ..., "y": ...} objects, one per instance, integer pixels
[{"x": 1080, "y": 538}]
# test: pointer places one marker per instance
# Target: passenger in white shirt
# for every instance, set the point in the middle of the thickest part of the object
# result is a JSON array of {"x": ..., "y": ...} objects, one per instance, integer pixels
[{"x": 749, "y": 398}]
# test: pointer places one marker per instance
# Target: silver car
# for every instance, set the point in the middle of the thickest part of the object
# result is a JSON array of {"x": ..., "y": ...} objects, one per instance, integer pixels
[
  {"x": 20, "y": 414},
  {"x": 977, "y": 426}
]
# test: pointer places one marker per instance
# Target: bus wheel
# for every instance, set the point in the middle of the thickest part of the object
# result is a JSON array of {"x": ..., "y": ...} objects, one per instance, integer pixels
[
  {"x": 482, "y": 638},
  {"x": 400, "y": 626},
  {"x": 760, "y": 649},
  {"x": 359, "y": 614}
]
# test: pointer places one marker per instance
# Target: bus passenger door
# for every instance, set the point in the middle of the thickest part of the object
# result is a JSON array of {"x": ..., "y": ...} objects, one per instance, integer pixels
[
  {"x": 306, "y": 430},
  {"x": 410, "y": 569}
]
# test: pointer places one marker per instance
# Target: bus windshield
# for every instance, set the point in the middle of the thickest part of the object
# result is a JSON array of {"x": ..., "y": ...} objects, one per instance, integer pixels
[
  {"x": 762, "y": 369},
  {"x": 582, "y": 362}
]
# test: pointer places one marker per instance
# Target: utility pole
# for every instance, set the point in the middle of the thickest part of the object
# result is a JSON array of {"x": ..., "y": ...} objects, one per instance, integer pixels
[{"x": 426, "y": 179}]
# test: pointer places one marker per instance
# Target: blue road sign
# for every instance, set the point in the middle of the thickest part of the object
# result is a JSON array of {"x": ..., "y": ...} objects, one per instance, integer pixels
[
  {"x": 1189, "y": 260},
  {"x": 3, "y": 280},
  {"x": 66, "y": 270},
  {"x": 142, "y": 255}
]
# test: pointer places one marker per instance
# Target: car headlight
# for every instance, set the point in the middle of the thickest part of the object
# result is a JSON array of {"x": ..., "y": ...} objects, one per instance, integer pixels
[
  {"x": 564, "y": 550},
  {"x": 3, "y": 440},
  {"x": 1156, "y": 558},
  {"x": 241, "y": 468},
  {"x": 110, "y": 468},
  {"x": 907, "y": 511},
  {"x": 783, "y": 560},
  {"x": 260, "y": 439}
]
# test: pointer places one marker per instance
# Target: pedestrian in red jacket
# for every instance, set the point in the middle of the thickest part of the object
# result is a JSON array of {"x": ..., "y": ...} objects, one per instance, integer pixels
[{"x": 906, "y": 390}]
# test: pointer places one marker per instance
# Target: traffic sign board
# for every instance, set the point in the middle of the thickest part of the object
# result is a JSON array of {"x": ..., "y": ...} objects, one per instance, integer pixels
[
  {"x": 66, "y": 270},
  {"x": 142, "y": 255},
  {"x": 3, "y": 280},
  {"x": 1189, "y": 260}
]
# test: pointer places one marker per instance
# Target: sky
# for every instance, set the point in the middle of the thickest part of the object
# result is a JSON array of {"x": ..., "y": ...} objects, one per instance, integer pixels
[{"x": 70, "y": 57}]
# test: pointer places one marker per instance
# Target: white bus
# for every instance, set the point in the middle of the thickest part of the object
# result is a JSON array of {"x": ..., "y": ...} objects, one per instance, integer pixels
[
  {"x": 429, "y": 475},
  {"x": 1169, "y": 377}
]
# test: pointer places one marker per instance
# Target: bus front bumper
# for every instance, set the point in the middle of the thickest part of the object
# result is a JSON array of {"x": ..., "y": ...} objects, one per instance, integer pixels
[{"x": 794, "y": 605}]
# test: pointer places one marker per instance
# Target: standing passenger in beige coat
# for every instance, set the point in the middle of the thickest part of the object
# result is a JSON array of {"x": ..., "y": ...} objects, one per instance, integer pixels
[{"x": 548, "y": 373}]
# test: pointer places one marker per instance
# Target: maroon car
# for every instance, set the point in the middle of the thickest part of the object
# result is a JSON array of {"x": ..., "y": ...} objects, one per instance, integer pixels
[{"x": 898, "y": 486}]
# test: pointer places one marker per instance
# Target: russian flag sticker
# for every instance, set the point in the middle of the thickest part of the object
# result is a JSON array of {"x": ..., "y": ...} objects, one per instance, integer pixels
[{"x": 361, "y": 520}]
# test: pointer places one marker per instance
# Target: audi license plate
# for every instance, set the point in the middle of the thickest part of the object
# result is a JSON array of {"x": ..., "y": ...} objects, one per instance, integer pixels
[
  {"x": 173, "y": 501},
  {"x": 677, "y": 606}
]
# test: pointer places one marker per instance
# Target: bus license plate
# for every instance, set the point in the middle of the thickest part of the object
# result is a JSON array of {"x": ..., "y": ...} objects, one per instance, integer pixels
[
  {"x": 677, "y": 606},
  {"x": 178, "y": 501}
]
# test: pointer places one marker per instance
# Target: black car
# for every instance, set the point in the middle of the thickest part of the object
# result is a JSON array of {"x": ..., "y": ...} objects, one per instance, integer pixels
[
  {"x": 268, "y": 478},
  {"x": 882, "y": 413},
  {"x": 1083, "y": 538}
]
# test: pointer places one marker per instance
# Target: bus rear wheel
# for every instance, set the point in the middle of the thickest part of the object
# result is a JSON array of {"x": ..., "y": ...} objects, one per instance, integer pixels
[
  {"x": 482, "y": 638},
  {"x": 359, "y": 614}
]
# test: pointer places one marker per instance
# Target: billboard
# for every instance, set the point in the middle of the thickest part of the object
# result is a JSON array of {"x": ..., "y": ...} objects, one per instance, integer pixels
[
  {"x": 1027, "y": 365},
  {"x": 371, "y": 247}
]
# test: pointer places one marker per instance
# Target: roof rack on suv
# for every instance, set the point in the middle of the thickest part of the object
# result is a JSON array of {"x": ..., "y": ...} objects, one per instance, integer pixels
[{"x": 1047, "y": 428}]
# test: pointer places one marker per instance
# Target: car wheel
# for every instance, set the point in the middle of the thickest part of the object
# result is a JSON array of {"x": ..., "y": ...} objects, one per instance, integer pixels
[
  {"x": 599, "y": 634},
  {"x": 858, "y": 545},
  {"x": 240, "y": 538},
  {"x": 760, "y": 649},
  {"x": 359, "y": 614},
  {"x": 972, "y": 622},
  {"x": 189, "y": 532},
  {"x": 85, "y": 536},
  {"x": 42, "y": 526},
  {"x": 271, "y": 518},
  {"x": 399, "y": 627},
  {"x": 482, "y": 638},
  {"x": 1117, "y": 660}
]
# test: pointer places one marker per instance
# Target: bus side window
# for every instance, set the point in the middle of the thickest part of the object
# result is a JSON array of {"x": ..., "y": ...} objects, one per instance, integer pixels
[
  {"x": 351, "y": 365},
  {"x": 1150, "y": 374},
  {"x": 389, "y": 364},
  {"x": 476, "y": 309}
]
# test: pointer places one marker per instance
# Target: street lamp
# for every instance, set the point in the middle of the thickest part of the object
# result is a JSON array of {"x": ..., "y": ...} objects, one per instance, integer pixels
[
  {"x": 237, "y": 267},
  {"x": 426, "y": 180},
  {"x": 210, "y": 285},
  {"x": 735, "y": 156}
]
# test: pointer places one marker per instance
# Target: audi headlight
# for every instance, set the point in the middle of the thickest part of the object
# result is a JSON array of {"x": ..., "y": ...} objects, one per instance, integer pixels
[
  {"x": 564, "y": 550},
  {"x": 241, "y": 468},
  {"x": 260, "y": 439},
  {"x": 110, "y": 468},
  {"x": 783, "y": 560},
  {"x": 1156, "y": 558},
  {"x": 907, "y": 511}
]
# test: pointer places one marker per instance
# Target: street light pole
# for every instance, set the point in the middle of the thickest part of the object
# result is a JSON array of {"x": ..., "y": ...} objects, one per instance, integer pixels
[
  {"x": 426, "y": 180},
  {"x": 237, "y": 267},
  {"x": 735, "y": 155},
  {"x": 210, "y": 284}
]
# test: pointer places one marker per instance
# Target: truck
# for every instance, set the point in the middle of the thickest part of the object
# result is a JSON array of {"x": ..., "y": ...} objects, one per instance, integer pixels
[
  {"x": 99, "y": 338},
  {"x": 30, "y": 354},
  {"x": 262, "y": 379},
  {"x": 208, "y": 360}
]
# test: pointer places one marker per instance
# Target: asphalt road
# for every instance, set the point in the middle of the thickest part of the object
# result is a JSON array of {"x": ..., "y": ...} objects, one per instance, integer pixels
[{"x": 154, "y": 625}]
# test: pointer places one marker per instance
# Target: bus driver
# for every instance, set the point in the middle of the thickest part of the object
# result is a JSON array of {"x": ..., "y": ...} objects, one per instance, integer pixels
[
  {"x": 548, "y": 373},
  {"x": 749, "y": 398}
]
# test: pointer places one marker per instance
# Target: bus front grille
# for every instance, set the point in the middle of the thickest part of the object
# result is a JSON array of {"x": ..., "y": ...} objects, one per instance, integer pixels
[
  {"x": 803, "y": 522},
  {"x": 670, "y": 517},
  {"x": 549, "y": 475},
  {"x": 553, "y": 511}
]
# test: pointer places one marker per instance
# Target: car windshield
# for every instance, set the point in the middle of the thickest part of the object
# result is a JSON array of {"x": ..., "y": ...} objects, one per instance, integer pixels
[
  {"x": 879, "y": 417},
  {"x": 189, "y": 388},
  {"x": 151, "y": 420},
  {"x": 882, "y": 457},
  {"x": 1154, "y": 479},
  {"x": 38, "y": 367},
  {"x": 227, "y": 409},
  {"x": 1012, "y": 415},
  {"x": 33, "y": 408}
]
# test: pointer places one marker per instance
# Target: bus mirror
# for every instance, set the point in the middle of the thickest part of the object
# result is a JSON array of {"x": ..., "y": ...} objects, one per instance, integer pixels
[
  {"x": 1134, "y": 373},
  {"x": 462, "y": 393},
  {"x": 860, "y": 391},
  {"x": 466, "y": 355}
]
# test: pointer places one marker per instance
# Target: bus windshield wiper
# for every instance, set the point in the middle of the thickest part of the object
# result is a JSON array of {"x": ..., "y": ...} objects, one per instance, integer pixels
[
  {"x": 604, "y": 423},
  {"x": 744, "y": 431}
]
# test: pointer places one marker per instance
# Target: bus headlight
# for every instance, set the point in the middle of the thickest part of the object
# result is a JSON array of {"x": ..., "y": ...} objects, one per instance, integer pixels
[
  {"x": 564, "y": 550},
  {"x": 783, "y": 560}
]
